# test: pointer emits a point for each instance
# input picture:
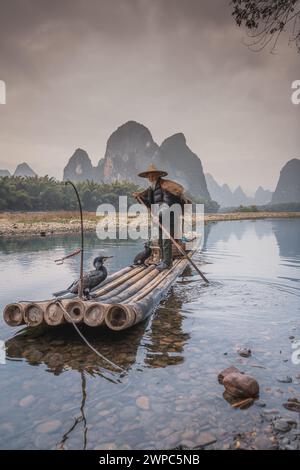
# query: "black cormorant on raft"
(143, 255)
(91, 279)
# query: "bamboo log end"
(33, 314)
(13, 314)
(119, 317)
(54, 314)
(94, 314)
(75, 310)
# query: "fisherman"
(165, 193)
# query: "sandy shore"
(29, 224)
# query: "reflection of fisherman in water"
(166, 337)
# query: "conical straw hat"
(152, 169)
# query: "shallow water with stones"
(56, 393)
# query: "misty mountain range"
(23, 169)
(131, 148)
(228, 198)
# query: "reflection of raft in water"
(126, 297)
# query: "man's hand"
(135, 194)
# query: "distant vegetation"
(209, 206)
(252, 208)
(283, 207)
(47, 194)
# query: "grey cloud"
(76, 69)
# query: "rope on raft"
(88, 343)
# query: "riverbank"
(29, 224)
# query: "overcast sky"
(75, 70)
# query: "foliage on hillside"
(48, 194)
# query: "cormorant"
(143, 255)
(90, 279)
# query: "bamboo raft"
(124, 299)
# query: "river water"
(57, 394)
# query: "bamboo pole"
(80, 286)
(112, 277)
(109, 287)
(139, 289)
(132, 290)
(156, 282)
(125, 315)
(135, 282)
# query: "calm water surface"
(56, 393)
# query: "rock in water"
(205, 439)
(282, 425)
(49, 426)
(143, 402)
(244, 352)
(237, 384)
(288, 186)
(225, 372)
(27, 401)
(292, 405)
(241, 385)
(285, 380)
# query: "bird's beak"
(107, 257)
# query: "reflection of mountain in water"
(262, 229)
(25, 252)
(67, 241)
(287, 233)
(222, 231)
